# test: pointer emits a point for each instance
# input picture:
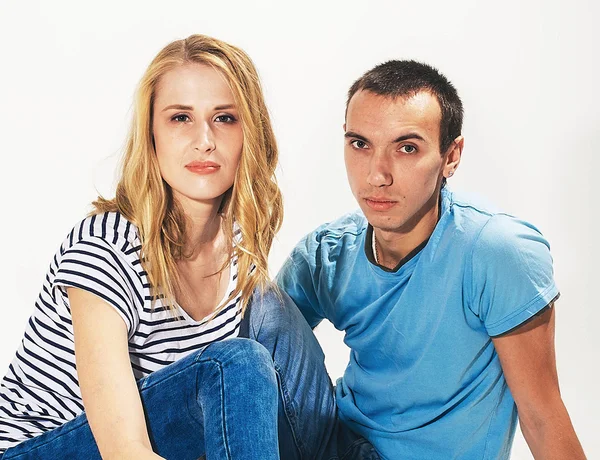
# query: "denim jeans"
(265, 397)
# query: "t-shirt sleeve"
(96, 266)
(511, 272)
(297, 278)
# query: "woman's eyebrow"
(225, 107)
(190, 108)
(179, 107)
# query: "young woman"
(156, 334)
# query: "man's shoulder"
(473, 212)
(350, 224)
(342, 232)
(488, 227)
(473, 205)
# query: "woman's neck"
(203, 232)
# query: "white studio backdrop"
(527, 73)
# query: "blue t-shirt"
(424, 380)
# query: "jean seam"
(350, 447)
(219, 366)
(226, 443)
(354, 444)
(289, 413)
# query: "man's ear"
(453, 156)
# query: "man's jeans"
(264, 397)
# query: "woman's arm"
(110, 396)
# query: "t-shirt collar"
(411, 254)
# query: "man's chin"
(383, 222)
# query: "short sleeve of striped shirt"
(96, 266)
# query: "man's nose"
(380, 171)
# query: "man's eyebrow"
(349, 134)
(190, 108)
(404, 137)
(408, 136)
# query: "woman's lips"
(202, 167)
(379, 204)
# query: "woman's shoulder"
(107, 228)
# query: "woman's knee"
(241, 355)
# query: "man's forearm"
(552, 436)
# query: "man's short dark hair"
(407, 78)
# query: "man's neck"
(393, 246)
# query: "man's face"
(393, 159)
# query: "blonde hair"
(254, 202)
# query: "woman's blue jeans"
(264, 397)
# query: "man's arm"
(529, 365)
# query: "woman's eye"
(181, 118)
(408, 149)
(225, 119)
(358, 144)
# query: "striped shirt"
(100, 255)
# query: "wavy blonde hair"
(254, 202)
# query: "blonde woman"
(156, 333)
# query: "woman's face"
(197, 134)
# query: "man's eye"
(358, 144)
(408, 149)
(181, 118)
(225, 119)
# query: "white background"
(527, 72)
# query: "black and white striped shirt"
(101, 255)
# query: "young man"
(446, 305)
